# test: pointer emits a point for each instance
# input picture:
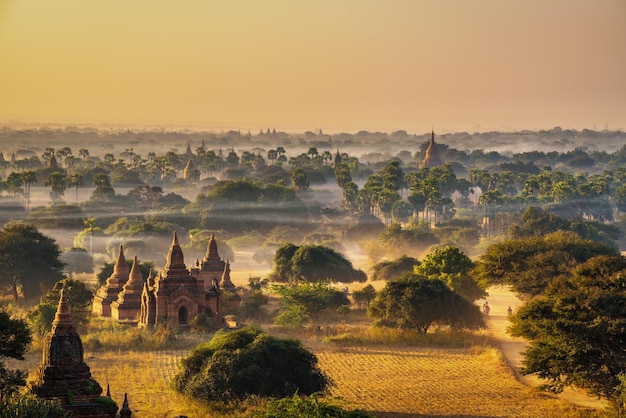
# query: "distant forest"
(260, 190)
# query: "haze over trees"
(547, 220)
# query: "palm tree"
(28, 177)
(76, 180)
(58, 183)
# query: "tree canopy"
(245, 362)
(576, 330)
(418, 303)
(14, 339)
(530, 264)
(29, 261)
(394, 269)
(453, 267)
(306, 302)
(313, 263)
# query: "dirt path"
(500, 298)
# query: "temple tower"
(176, 290)
(108, 293)
(63, 374)
(212, 266)
(128, 304)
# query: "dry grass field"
(388, 381)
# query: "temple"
(431, 158)
(175, 295)
(63, 374)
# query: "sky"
(335, 65)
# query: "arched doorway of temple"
(183, 316)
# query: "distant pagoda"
(432, 158)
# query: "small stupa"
(63, 374)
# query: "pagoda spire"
(226, 283)
(63, 322)
(121, 266)
(212, 249)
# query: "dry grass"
(389, 381)
(405, 382)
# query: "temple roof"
(431, 158)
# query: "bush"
(309, 407)
(237, 364)
(31, 406)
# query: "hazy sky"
(338, 65)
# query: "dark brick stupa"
(63, 374)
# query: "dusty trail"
(500, 298)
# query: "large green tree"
(307, 302)
(246, 362)
(452, 266)
(313, 263)
(29, 261)
(14, 339)
(576, 330)
(419, 303)
(530, 264)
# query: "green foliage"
(29, 260)
(240, 206)
(40, 318)
(538, 222)
(78, 296)
(31, 406)
(419, 303)
(394, 269)
(313, 263)
(530, 264)
(307, 407)
(306, 302)
(57, 216)
(245, 362)
(14, 339)
(299, 179)
(364, 297)
(577, 328)
(453, 267)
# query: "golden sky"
(295, 65)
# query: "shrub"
(309, 407)
(237, 364)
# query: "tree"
(304, 303)
(29, 178)
(530, 264)
(313, 263)
(453, 267)
(364, 297)
(29, 261)
(76, 180)
(14, 340)
(246, 362)
(57, 182)
(394, 269)
(299, 179)
(576, 330)
(418, 303)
